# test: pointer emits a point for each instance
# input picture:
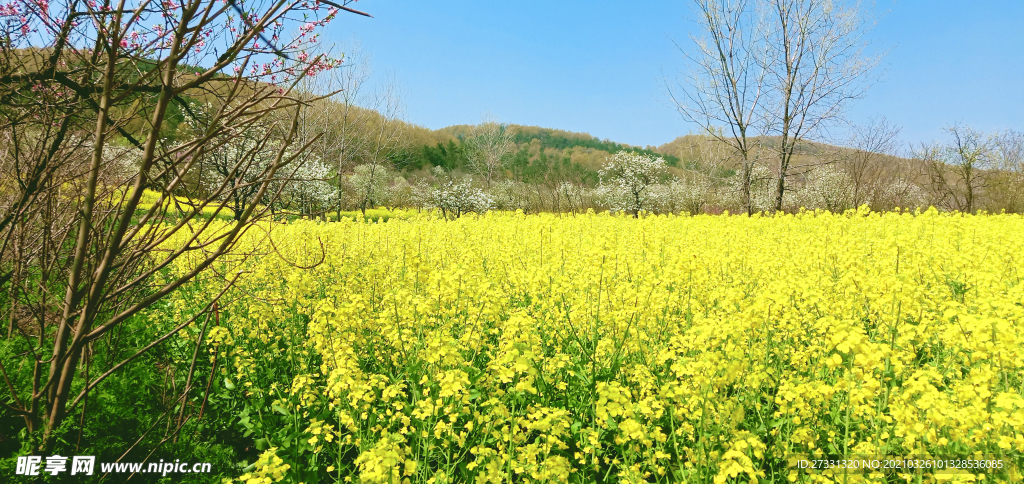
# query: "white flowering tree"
(627, 178)
(400, 193)
(830, 188)
(237, 157)
(308, 188)
(512, 195)
(456, 197)
(903, 193)
(369, 184)
(761, 191)
(690, 195)
(240, 157)
(570, 196)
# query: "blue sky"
(600, 67)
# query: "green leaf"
(281, 410)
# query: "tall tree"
(383, 139)
(487, 147)
(727, 81)
(869, 145)
(817, 64)
(1009, 153)
(356, 124)
(340, 120)
(958, 170)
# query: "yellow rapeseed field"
(597, 348)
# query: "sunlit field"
(598, 348)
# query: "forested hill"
(539, 155)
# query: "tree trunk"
(745, 189)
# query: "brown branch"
(213, 369)
(347, 9)
(159, 340)
(192, 368)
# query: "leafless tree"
(80, 250)
(958, 171)
(356, 124)
(383, 137)
(1008, 149)
(727, 81)
(862, 159)
(327, 117)
(487, 145)
(817, 64)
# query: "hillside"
(547, 155)
(543, 161)
(540, 155)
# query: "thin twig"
(192, 369)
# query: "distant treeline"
(541, 156)
(550, 139)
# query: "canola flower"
(596, 348)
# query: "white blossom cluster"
(380, 186)
(308, 187)
(121, 162)
(368, 183)
(626, 181)
(238, 162)
(456, 197)
(571, 197)
(400, 193)
(762, 191)
(904, 194)
(828, 188)
(690, 196)
(512, 195)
